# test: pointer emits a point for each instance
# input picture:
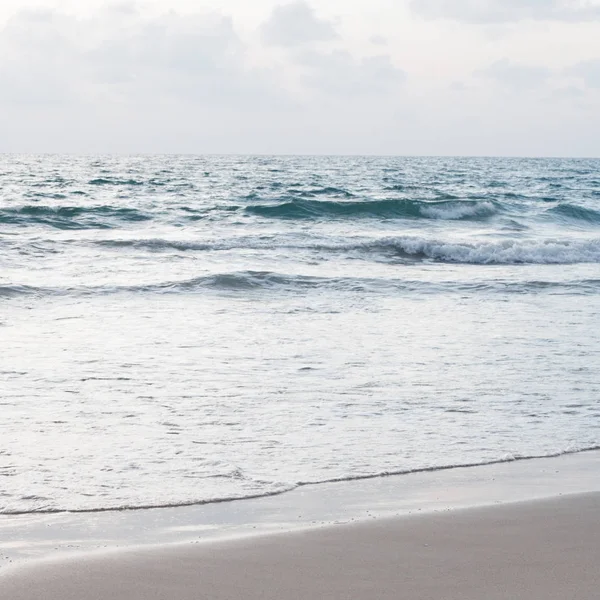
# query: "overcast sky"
(458, 77)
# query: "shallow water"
(181, 329)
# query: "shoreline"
(294, 487)
(530, 550)
(36, 537)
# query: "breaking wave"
(376, 209)
(502, 252)
(414, 248)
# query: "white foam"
(504, 251)
(455, 212)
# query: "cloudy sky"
(458, 77)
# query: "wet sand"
(544, 549)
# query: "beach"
(545, 549)
(527, 529)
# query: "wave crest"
(382, 209)
(411, 248)
(503, 252)
(572, 212)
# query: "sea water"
(184, 329)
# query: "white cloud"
(338, 72)
(50, 57)
(296, 24)
(353, 77)
(568, 93)
(36, 65)
(507, 11)
(520, 77)
(589, 71)
(378, 40)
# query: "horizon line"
(303, 155)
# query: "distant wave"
(327, 191)
(304, 206)
(158, 245)
(70, 217)
(111, 181)
(107, 217)
(382, 209)
(300, 190)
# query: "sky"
(393, 77)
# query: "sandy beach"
(545, 549)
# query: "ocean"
(185, 329)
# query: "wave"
(47, 195)
(327, 191)
(503, 252)
(159, 245)
(515, 251)
(70, 217)
(242, 281)
(246, 281)
(257, 280)
(454, 211)
(381, 209)
(305, 206)
(573, 212)
(286, 488)
(14, 291)
(106, 181)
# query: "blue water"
(180, 329)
